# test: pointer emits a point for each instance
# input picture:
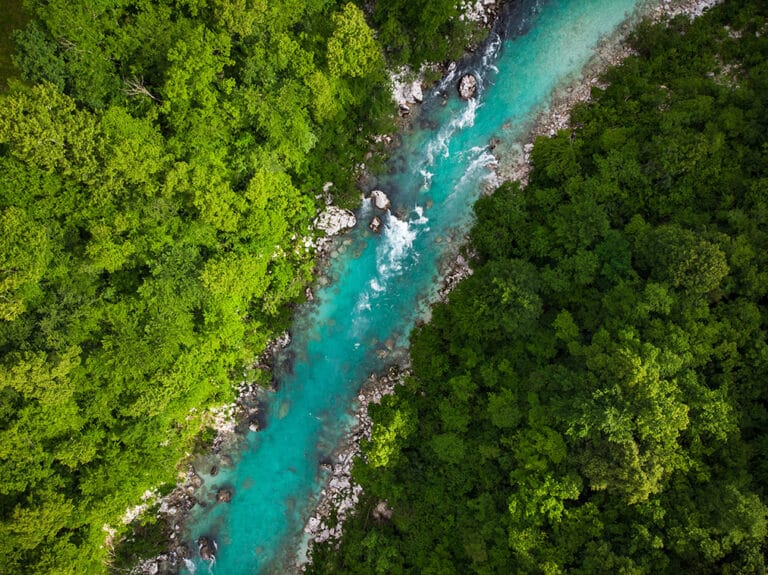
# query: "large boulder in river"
(467, 86)
(375, 225)
(380, 200)
(224, 495)
(334, 220)
(207, 548)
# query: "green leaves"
(352, 49)
(157, 178)
(24, 256)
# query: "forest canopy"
(593, 398)
(159, 168)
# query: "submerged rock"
(375, 224)
(257, 420)
(194, 480)
(224, 495)
(207, 548)
(380, 200)
(467, 86)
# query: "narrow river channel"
(381, 284)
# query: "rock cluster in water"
(380, 200)
(207, 548)
(467, 86)
(375, 224)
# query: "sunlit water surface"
(382, 283)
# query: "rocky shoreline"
(341, 494)
(515, 159)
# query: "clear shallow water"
(382, 283)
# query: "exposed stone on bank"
(333, 220)
(407, 87)
(480, 11)
(458, 270)
(340, 495)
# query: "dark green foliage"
(417, 31)
(593, 398)
(13, 18)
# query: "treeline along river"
(382, 283)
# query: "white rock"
(467, 86)
(334, 220)
(380, 200)
(404, 90)
(416, 92)
(312, 524)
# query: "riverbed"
(381, 284)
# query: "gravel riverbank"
(514, 158)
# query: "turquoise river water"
(383, 283)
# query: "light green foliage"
(157, 174)
(24, 256)
(592, 399)
(352, 50)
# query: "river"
(381, 284)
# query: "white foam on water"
(364, 301)
(439, 146)
(421, 220)
(443, 85)
(467, 118)
(427, 175)
(396, 245)
(483, 160)
(190, 565)
(473, 151)
(366, 208)
(376, 286)
(491, 53)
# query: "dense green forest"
(159, 168)
(594, 399)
